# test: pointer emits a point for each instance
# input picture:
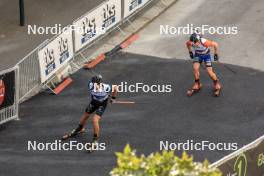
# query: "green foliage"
(160, 164)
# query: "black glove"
(112, 99)
(191, 54)
(216, 58)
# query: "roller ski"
(73, 133)
(195, 88)
(217, 88)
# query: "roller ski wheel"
(193, 91)
(72, 134)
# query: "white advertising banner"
(130, 6)
(97, 22)
(55, 54)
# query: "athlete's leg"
(213, 76)
(196, 71)
(210, 71)
(96, 119)
(84, 118)
(90, 109)
(96, 126)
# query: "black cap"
(195, 38)
(97, 79)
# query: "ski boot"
(217, 88)
(95, 142)
(195, 88)
(73, 133)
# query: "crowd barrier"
(247, 161)
(29, 74)
(8, 95)
(129, 8)
(53, 56)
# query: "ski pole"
(123, 102)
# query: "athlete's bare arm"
(212, 44)
(189, 45)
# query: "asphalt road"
(236, 116)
